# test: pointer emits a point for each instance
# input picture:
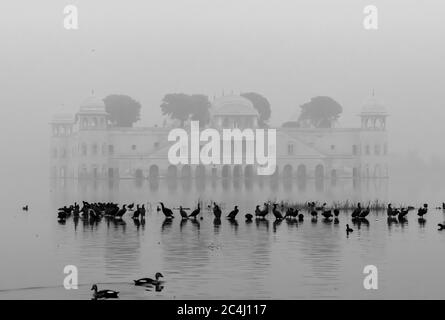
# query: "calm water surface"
(202, 260)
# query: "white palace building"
(84, 145)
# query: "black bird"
(357, 211)
(130, 206)
(137, 212)
(348, 230)
(278, 215)
(441, 226)
(216, 211)
(262, 213)
(149, 281)
(314, 214)
(166, 211)
(195, 212)
(364, 213)
(143, 211)
(389, 210)
(183, 213)
(336, 212)
(233, 213)
(104, 294)
(121, 212)
(321, 208)
(422, 211)
(327, 214)
(248, 217)
(300, 217)
(25, 208)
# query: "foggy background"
(288, 51)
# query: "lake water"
(201, 260)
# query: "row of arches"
(228, 171)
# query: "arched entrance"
(200, 172)
(139, 174)
(172, 172)
(287, 171)
(319, 172)
(248, 171)
(225, 173)
(237, 171)
(301, 172)
(186, 172)
(153, 172)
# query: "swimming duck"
(104, 294)
(149, 281)
(441, 226)
(25, 208)
(336, 212)
(130, 206)
(326, 214)
(248, 217)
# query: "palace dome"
(63, 115)
(372, 105)
(92, 104)
(233, 105)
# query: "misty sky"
(288, 51)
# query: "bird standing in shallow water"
(233, 213)
(183, 213)
(348, 230)
(166, 211)
(25, 208)
(195, 212)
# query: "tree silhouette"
(320, 112)
(182, 107)
(261, 104)
(123, 110)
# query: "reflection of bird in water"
(104, 294)
(158, 288)
(195, 212)
(166, 211)
(149, 281)
(166, 224)
(233, 213)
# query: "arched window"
(94, 149)
(354, 149)
(84, 149)
(377, 149)
(290, 149)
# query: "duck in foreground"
(104, 294)
(149, 281)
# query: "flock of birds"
(96, 211)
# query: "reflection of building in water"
(86, 146)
